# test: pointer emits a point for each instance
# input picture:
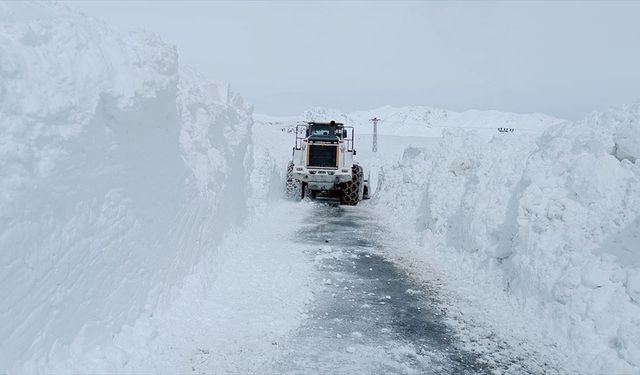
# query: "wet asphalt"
(368, 316)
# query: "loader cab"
(325, 132)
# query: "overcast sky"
(560, 58)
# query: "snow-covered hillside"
(118, 173)
(421, 121)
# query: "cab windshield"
(321, 130)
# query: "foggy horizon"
(563, 58)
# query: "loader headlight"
(345, 171)
(299, 169)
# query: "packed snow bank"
(227, 317)
(552, 220)
(118, 174)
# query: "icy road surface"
(369, 316)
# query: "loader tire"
(350, 191)
(293, 189)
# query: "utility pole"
(375, 121)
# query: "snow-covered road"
(368, 315)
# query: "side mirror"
(354, 152)
(344, 133)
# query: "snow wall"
(553, 220)
(118, 171)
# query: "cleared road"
(368, 315)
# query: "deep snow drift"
(553, 220)
(119, 172)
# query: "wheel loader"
(323, 164)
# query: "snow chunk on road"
(633, 285)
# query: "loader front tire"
(293, 189)
(350, 190)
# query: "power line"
(375, 121)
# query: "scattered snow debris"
(327, 281)
(356, 334)
(387, 297)
(339, 336)
(412, 291)
(633, 286)
(350, 349)
(460, 167)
